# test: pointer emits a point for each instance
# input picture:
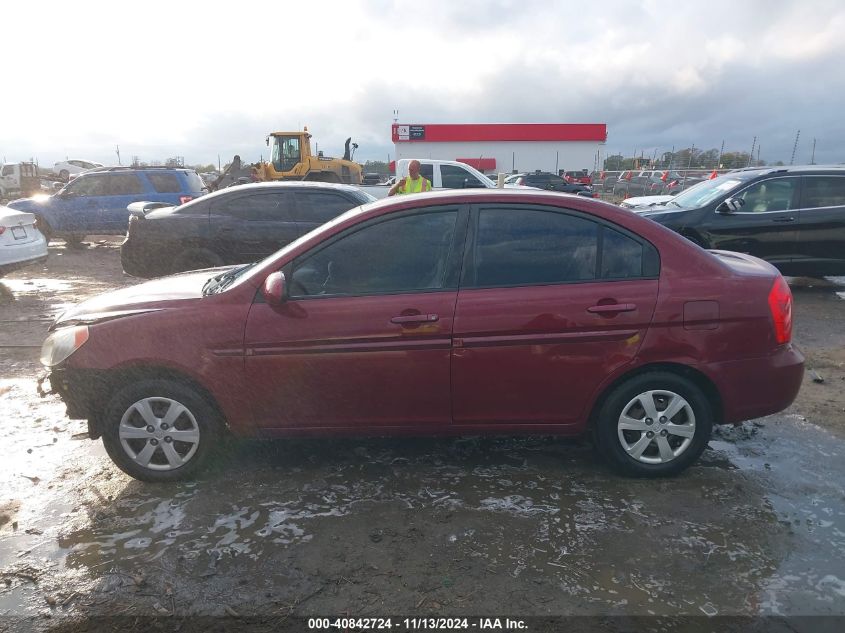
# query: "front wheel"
(159, 430)
(654, 425)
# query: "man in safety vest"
(413, 183)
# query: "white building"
(505, 147)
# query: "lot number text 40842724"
(416, 624)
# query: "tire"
(64, 175)
(150, 402)
(74, 240)
(196, 259)
(45, 228)
(685, 434)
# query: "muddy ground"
(528, 526)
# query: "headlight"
(62, 343)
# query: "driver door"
(363, 341)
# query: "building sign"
(417, 132)
(403, 132)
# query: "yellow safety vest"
(415, 186)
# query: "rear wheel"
(159, 430)
(653, 425)
(196, 259)
(74, 240)
(45, 228)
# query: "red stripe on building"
(499, 132)
(481, 164)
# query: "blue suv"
(94, 203)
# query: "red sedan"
(448, 313)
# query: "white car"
(21, 243)
(67, 168)
(644, 202)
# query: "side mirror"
(273, 290)
(731, 205)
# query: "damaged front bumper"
(82, 391)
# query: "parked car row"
(630, 183)
(550, 182)
(486, 311)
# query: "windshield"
(705, 192)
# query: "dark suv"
(793, 217)
(238, 224)
(550, 182)
(94, 203)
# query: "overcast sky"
(193, 79)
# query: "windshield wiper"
(219, 282)
(675, 203)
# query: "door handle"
(786, 219)
(612, 307)
(415, 318)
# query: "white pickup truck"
(443, 174)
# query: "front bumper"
(84, 392)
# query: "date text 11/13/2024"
(416, 624)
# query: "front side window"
(125, 185)
(824, 191)
(8, 170)
(766, 196)
(518, 247)
(399, 255)
(89, 186)
(458, 178)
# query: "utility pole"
(557, 157)
(813, 157)
(721, 151)
(794, 148)
(751, 155)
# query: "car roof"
(791, 169)
(308, 184)
(99, 170)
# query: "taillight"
(780, 305)
(184, 199)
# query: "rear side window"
(262, 207)
(824, 191)
(125, 185)
(321, 206)
(623, 257)
(522, 247)
(517, 247)
(165, 183)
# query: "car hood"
(157, 294)
(645, 202)
(34, 203)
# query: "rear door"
(821, 228)
(315, 207)
(551, 301)
(80, 208)
(249, 226)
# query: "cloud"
(660, 74)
